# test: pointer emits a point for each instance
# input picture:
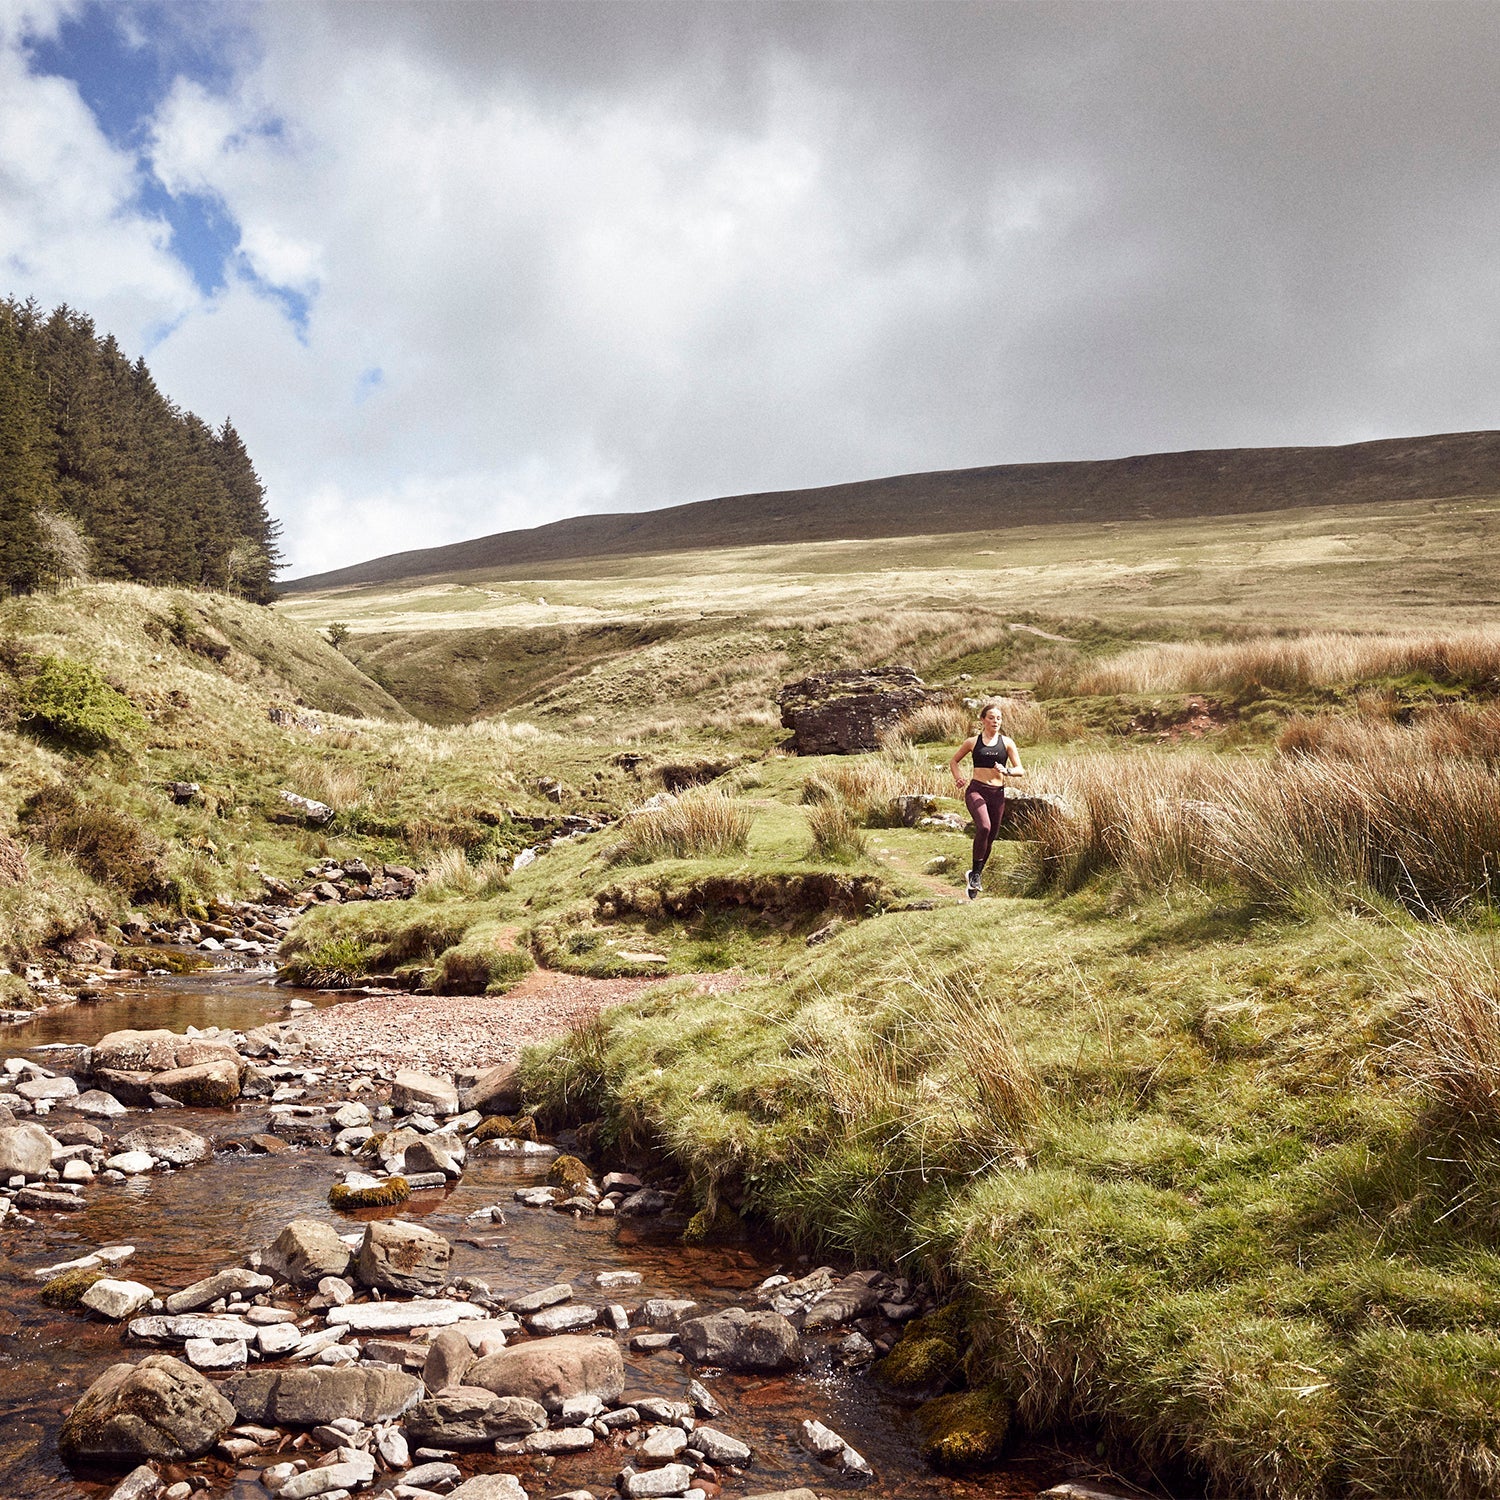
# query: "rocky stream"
(484, 1315)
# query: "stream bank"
(192, 1222)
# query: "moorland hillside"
(1160, 486)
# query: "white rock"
(663, 1443)
(277, 1338)
(392, 1447)
(565, 1319)
(116, 1299)
(650, 1484)
(402, 1317)
(718, 1447)
(130, 1162)
(207, 1354)
(77, 1171)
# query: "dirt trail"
(444, 1032)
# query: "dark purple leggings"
(986, 804)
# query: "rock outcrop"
(846, 713)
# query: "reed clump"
(450, 872)
(699, 824)
(869, 785)
(835, 834)
(1453, 1051)
(1394, 820)
(1464, 658)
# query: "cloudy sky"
(454, 268)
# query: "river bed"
(189, 1223)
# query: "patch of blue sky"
(368, 383)
(124, 56)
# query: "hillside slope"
(1229, 481)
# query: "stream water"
(189, 1223)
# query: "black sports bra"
(988, 757)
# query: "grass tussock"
(1463, 658)
(697, 825)
(835, 834)
(451, 872)
(868, 785)
(1454, 1049)
(1422, 830)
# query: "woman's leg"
(984, 833)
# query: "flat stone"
(116, 1299)
(178, 1328)
(402, 1317)
(208, 1354)
(665, 1312)
(549, 1296)
(489, 1487)
(354, 1473)
(565, 1319)
(607, 1280)
(106, 1255)
(650, 1484)
(645, 1201)
(559, 1440)
(649, 1343)
(718, 1447)
(48, 1088)
(232, 1282)
(665, 1410)
(704, 1400)
(471, 1417)
(277, 1338)
(58, 1202)
(428, 1476)
(306, 1396)
(98, 1105)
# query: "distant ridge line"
(1155, 486)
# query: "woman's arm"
(958, 755)
(1013, 766)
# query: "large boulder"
(397, 1257)
(553, 1369)
(423, 1094)
(846, 713)
(205, 1085)
(305, 1252)
(158, 1051)
(496, 1091)
(159, 1408)
(468, 1416)
(25, 1151)
(168, 1143)
(739, 1340)
(323, 1393)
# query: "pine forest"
(101, 475)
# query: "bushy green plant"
(698, 824)
(835, 834)
(68, 700)
(111, 846)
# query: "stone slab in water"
(308, 1397)
(402, 1317)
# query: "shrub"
(71, 702)
(452, 873)
(868, 785)
(702, 824)
(835, 834)
(110, 846)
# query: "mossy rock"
(173, 960)
(494, 1128)
(570, 1173)
(965, 1430)
(930, 1352)
(66, 1291)
(719, 1226)
(382, 1195)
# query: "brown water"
(189, 1223)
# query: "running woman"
(995, 758)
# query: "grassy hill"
(1214, 482)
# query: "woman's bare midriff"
(989, 776)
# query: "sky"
(458, 268)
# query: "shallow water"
(189, 1223)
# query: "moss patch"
(382, 1195)
(66, 1291)
(964, 1430)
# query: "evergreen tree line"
(89, 445)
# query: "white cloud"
(611, 256)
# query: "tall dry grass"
(1469, 658)
(450, 873)
(868, 785)
(1453, 1052)
(1393, 821)
(950, 721)
(835, 833)
(699, 824)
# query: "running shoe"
(975, 880)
